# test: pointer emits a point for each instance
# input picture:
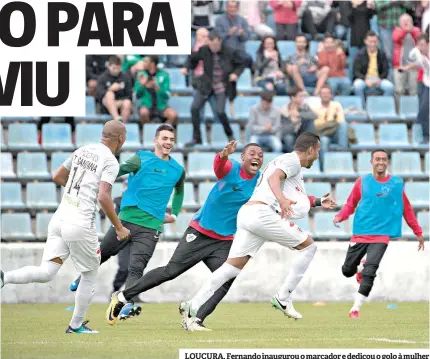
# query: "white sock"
(359, 300)
(84, 296)
(121, 298)
(298, 269)
(219, 277)
(32, 274)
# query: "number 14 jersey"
(89, 165)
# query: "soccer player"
(278, 199)
(153, 177)
(379, 202)
(210, 234)
(87, 175)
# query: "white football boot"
(286, 307)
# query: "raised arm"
(132, 165)
(351, 204)
(222, 165)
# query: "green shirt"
(141, 218)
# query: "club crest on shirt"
(190, 237)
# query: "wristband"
(317, 202)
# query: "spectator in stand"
(285, 14)
(425, 19)
(202, 13)
(343, 8)
(115, 91)
(371, 69)
(253, 12)
(303, 68)
(405, 73)
(330, 123)
(268, 67)
(388, 13)
(221, 65)
(296, 117)
(95, 66)
(318, 17)
(421, 14)
(264, 123)
(333, 58)
(132, 64)
(153, 91)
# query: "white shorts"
(258, 223)
(82, 244)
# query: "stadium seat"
(57, 159)
(407, 232)
(11, 196)
(22, 136)
(363, 163)
(182, 105)
(313, 48)
(343, 190)
(339, 164)
(281, 101)
(133, 141)
(417, 137)
(408, 107)
(184, 134)
(317, 189)
(352, 107)
(42, 195)
(189, 199)
(7, 171)
(91, 112)
(177, 81)
(418, 194)
(178, 228)
(32, 166)
(423, 220)
(268, 157)
(394, 136)
(286, 48)
(406, 164)
(365, 133)
(251, 47)
(427, 163)
(245, 84)
(57, 136)
(204, 190)
(313, 172)
(325, 229)
(381, 108)
(16, 227)
(178, 157)
(218, 138)
(200, 166)
(149, 135)
(42, 222)
(88, 133)
(2, 143)
(242, 104)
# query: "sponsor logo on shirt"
(235, 189)
(159, 171)
(190, 237)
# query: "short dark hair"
(267, 96)
(378, 150)
(305, 141)
(328, 35)
(164, 127)
(213, 35)
(423, 37)
(154, 59)
(301, 35)
(371, 33)
(114, 60)
(326, 86)
(293, 91)
(250, 145)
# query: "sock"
(84, 296)
(121, 297)
(218, 278)
(359, 300)
(298, 269)
(32, 274)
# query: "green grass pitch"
(37, 330)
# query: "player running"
(278, 198)
(210, 234)
(153, 177)
(87, 175)
(381, 202)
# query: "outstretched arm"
(351, 204)
(222, 165)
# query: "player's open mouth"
(255, 164)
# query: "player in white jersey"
(278, 198)
(88, 176)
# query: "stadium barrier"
(403, 276)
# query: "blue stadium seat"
(394, 136)
(423, 220)
(58, 158)
(406, 164)
(317, 189)
(286, 48)
(189, 198)
(57, 136)
(178, 157)
(42, 195)
(242, 104)
(363, 163)
(87, 134)
(281, 101)
(314, 171)
(251, 47)
(269, 156)
(7, 119)
(204, 190)
(184, 134)
(7, 171)
(2, 143)
(427, 163)
(177, 81)
(352, 107)
(245, 84)
(11, 196)
(200, 165)
(16, 227)
(343, 190)
(382, 108)
(303, 223)
(91, 111)
(22, 136)
(182, 105)
(313, 48)
(417, 137)
(325, 229)
(133, 137)
(418, 194)
(218, 138)
(42, 222)
(339, 164)
(365, 133)
(407, 232)
(178, 228)
(149, 135)
(32, 166)
(408, 107)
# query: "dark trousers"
(423, 112)
(309, 26)
(356, 252)
(142, 245)
(286, 31)
(122, 272)
(43, 120)
(198, 103)
(193, 248)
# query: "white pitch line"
(387, 340)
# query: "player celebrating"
(381, 202)
(279, 197)
(210, 234)
(153, 176)
(87, 176)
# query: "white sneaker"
(186, 312)
(196, 325)
(286, 307)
